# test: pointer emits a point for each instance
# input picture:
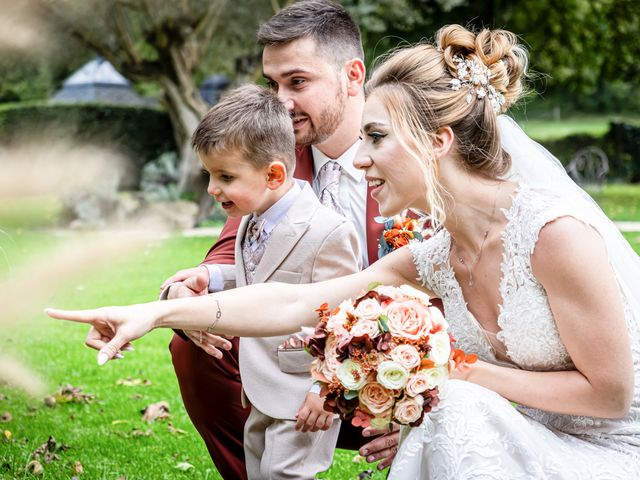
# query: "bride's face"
(396, 179)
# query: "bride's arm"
(270, 309)
(258, 310)
(571, 263)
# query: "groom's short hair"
(327, 23)
(252, 121)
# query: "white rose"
(369, 309)
(392, 375)
(436, 377)
(336, 324)
(365, 327)
(409, 291)
(351, 375)
(440, 344)
(406, 355)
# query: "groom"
(313, 59)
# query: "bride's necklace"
(476, 259)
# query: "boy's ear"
(443, 141)
(276, 174)
(355, 76)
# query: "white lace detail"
(475, 433)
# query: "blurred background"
(100, 191)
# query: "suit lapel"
(287, 233)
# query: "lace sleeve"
(428, 255)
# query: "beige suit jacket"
(310, 244)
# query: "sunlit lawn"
(547, 129)
(106, 436)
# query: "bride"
(533, 277)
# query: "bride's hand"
(112, 328)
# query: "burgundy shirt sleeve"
(223, 250)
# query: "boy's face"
(310, 85)
(239, 186)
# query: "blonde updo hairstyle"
(415, 85)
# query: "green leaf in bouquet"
(350, 394)
(373, 285)
(384, 323)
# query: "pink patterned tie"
(253, 247)
(329, 184)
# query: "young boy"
(247, 145)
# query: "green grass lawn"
(621, 202)
(107, 436)
(545, 129)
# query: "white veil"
(534, 165)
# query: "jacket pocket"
(294, 360)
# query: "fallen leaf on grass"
(176, 431)
(70, 394)
(2, 397)
(357, 458)
(6, 435)
(118, 422)
(77, 467)
(48, 451)
(134, 382)
(34, 467)
(6, 417)
(141, 433)
(156, 411)
(50, 401)
(184, 466)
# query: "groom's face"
(310, 85)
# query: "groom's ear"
(356, 73)
(443, 142)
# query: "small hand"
(209, 342)
(312, 416)
(195, 279)
(383, 448)
(112, 328)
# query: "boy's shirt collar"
(345, 161)
(275, 212)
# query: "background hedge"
(139, 133)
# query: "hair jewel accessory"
(476, 78)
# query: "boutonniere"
(398, 232)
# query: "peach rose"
(389, 291)
(411, 292)
(376, 398)
(408, 410)
(437, 320)
(365, 327)
(417, 383)
(331, 363)
(336, 323)
(440, 344)
(369, 309)
(409, 319)
(392, 375)
(406, 355)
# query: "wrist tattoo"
(217, 319)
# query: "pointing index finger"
(80, 316)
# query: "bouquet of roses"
(383, 357)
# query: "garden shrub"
(139, 133)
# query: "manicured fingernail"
(371, 459)
(102, 358)
(119, 356)
(364, 452)
(128, 348)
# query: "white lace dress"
(474, 432)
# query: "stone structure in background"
(98, 82)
